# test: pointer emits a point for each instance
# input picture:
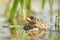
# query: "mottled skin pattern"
(35, 27)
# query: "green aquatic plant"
(57, 37)
(13, 10)
(50, 33)
(28, 5)
(11, 18)
(7, 9)
(22, 2)
(51, 8)
(23, 8)
(43, 4)
(58, 14)
(25, 4)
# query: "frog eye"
(31, 17)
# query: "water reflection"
(48, 35)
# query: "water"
(50, 34)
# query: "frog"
(34, 26)
(33, 22)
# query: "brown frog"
(35, 26)
(33, 22)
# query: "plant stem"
(13, 10)
(29, 7)
(43, 4)
(51, 8)
(58, 14)
(22, 2)
(7, 8)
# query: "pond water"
(51, 33)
